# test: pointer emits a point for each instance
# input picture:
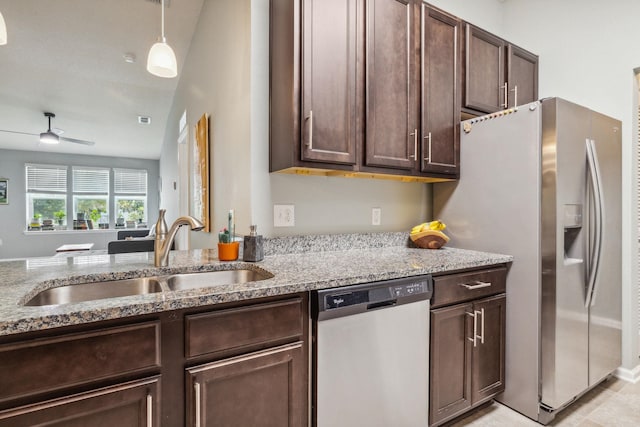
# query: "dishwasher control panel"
(370, 296)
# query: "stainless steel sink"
(177, 282)
(95, 291)
(143, 285)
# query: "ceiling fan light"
(49, 138)
(3, 31)
(161, 61)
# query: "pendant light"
(161, 61)
(3, 31)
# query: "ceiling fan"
(52, 136)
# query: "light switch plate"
(376, 216)
(284, 216)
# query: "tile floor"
(613, 403)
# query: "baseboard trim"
(629, 375)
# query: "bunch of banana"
(433, 225)
(429, 234)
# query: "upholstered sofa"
(131, 241)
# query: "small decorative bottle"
(252, 250)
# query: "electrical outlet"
(284, 216)
(376, 216)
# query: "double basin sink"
(144, 285)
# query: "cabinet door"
(488, 353)
(266, 388)
(485, 89)
(391, 84)
(330, 93)
(133, 404)
(450, 372)
(440, 92)
(522, 76)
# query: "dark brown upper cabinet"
(374, 88)
(522, 75)
(330, 81)
(497, 74)
(345, 90)
(441, 77)
(391, 85)
(316, 85)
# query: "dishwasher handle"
(382, 304)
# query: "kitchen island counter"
(292, 272)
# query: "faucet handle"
(161, 224)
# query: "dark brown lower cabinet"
(467, 356)
(237, 364)
(133, 404)
(467, 342)
(271, 380)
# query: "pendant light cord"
(163, 39)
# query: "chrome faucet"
(164, 239)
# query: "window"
(99, 194)
(46, 192)
(91, 193)
(130, 194)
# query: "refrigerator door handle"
(596, 186)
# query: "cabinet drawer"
(48, 364)
(455, 288)
(130, 404)
(243, 329)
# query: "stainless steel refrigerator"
(542, 182)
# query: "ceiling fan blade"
(77, 141)
(20, 133)
(57, 131)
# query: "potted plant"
(227, 249)
(94, 215)
(36, 221)
(59, 215)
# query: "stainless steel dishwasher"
(371, 354)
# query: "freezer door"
(564, 316)
(605, 305)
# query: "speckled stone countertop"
(297, 264)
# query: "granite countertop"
(297, 264)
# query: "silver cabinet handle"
(310, 119)
(515, 95)
(196, 389)
(477, 285)
(481, 325)
(415, 144)
(505, 93)
(475, 328)
(149, 410)
(428, 138)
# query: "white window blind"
(90, 180)
(46, 178)
(129, 181)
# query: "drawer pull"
(477, 285)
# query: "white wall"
(215, 80)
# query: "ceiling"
(67, 57)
